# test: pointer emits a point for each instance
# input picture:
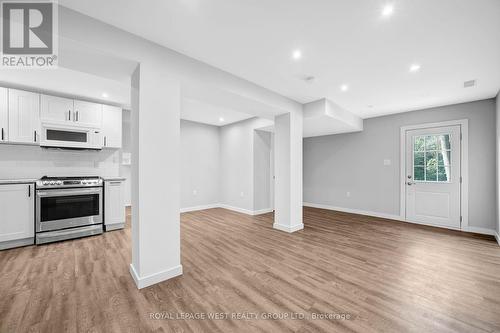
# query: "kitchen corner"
(59, 161)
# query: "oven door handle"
(59, 193)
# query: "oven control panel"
(61, 183)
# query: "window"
(432, 158)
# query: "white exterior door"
(433, 176)
(24, 116)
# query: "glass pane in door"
(432, 158)
(67, 207)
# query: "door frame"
(464, 161)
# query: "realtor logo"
(29, 36)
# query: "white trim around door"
(464, 160)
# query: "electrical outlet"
(387, 162)
(241, 194)
(348, 194)
(195, 192)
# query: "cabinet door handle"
(69, 114)
(104, 141)
(2, 133)
(29, 191)
(35, 135)
(77, 116)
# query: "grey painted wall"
(237, 165)
(200, 164)
(262, 170)
(354, 162)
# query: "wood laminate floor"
(366, 274)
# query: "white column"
(288, 171)
(155, 176)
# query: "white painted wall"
(288, 170)
(200, 164)
(497, 116)
(354, 163)
(125, 170)
(155, 176)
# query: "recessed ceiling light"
(221, 119)
(388, 10)
(105, 95)
(344, 87)
(414, 68)
(297, 54)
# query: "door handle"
(29, 191)
(410, 183)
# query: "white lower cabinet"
(114, 205)
(17, 215)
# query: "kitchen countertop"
(114, 178)
(18, 181)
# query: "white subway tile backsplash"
(18, 161)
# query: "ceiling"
(202, 112)
(342, 42)
(55, 82)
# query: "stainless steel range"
(68, 207)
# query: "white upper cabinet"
(24, 117)
(56, 109)
(4, 115)
(111, 126)
(17, 206)
(87, 114)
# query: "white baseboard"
(477, 230)
(288, 229)
(237, 209)
(262, 211)
(355, 211)
(195, 208)
(149, 280)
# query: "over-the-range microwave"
(61, 136)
